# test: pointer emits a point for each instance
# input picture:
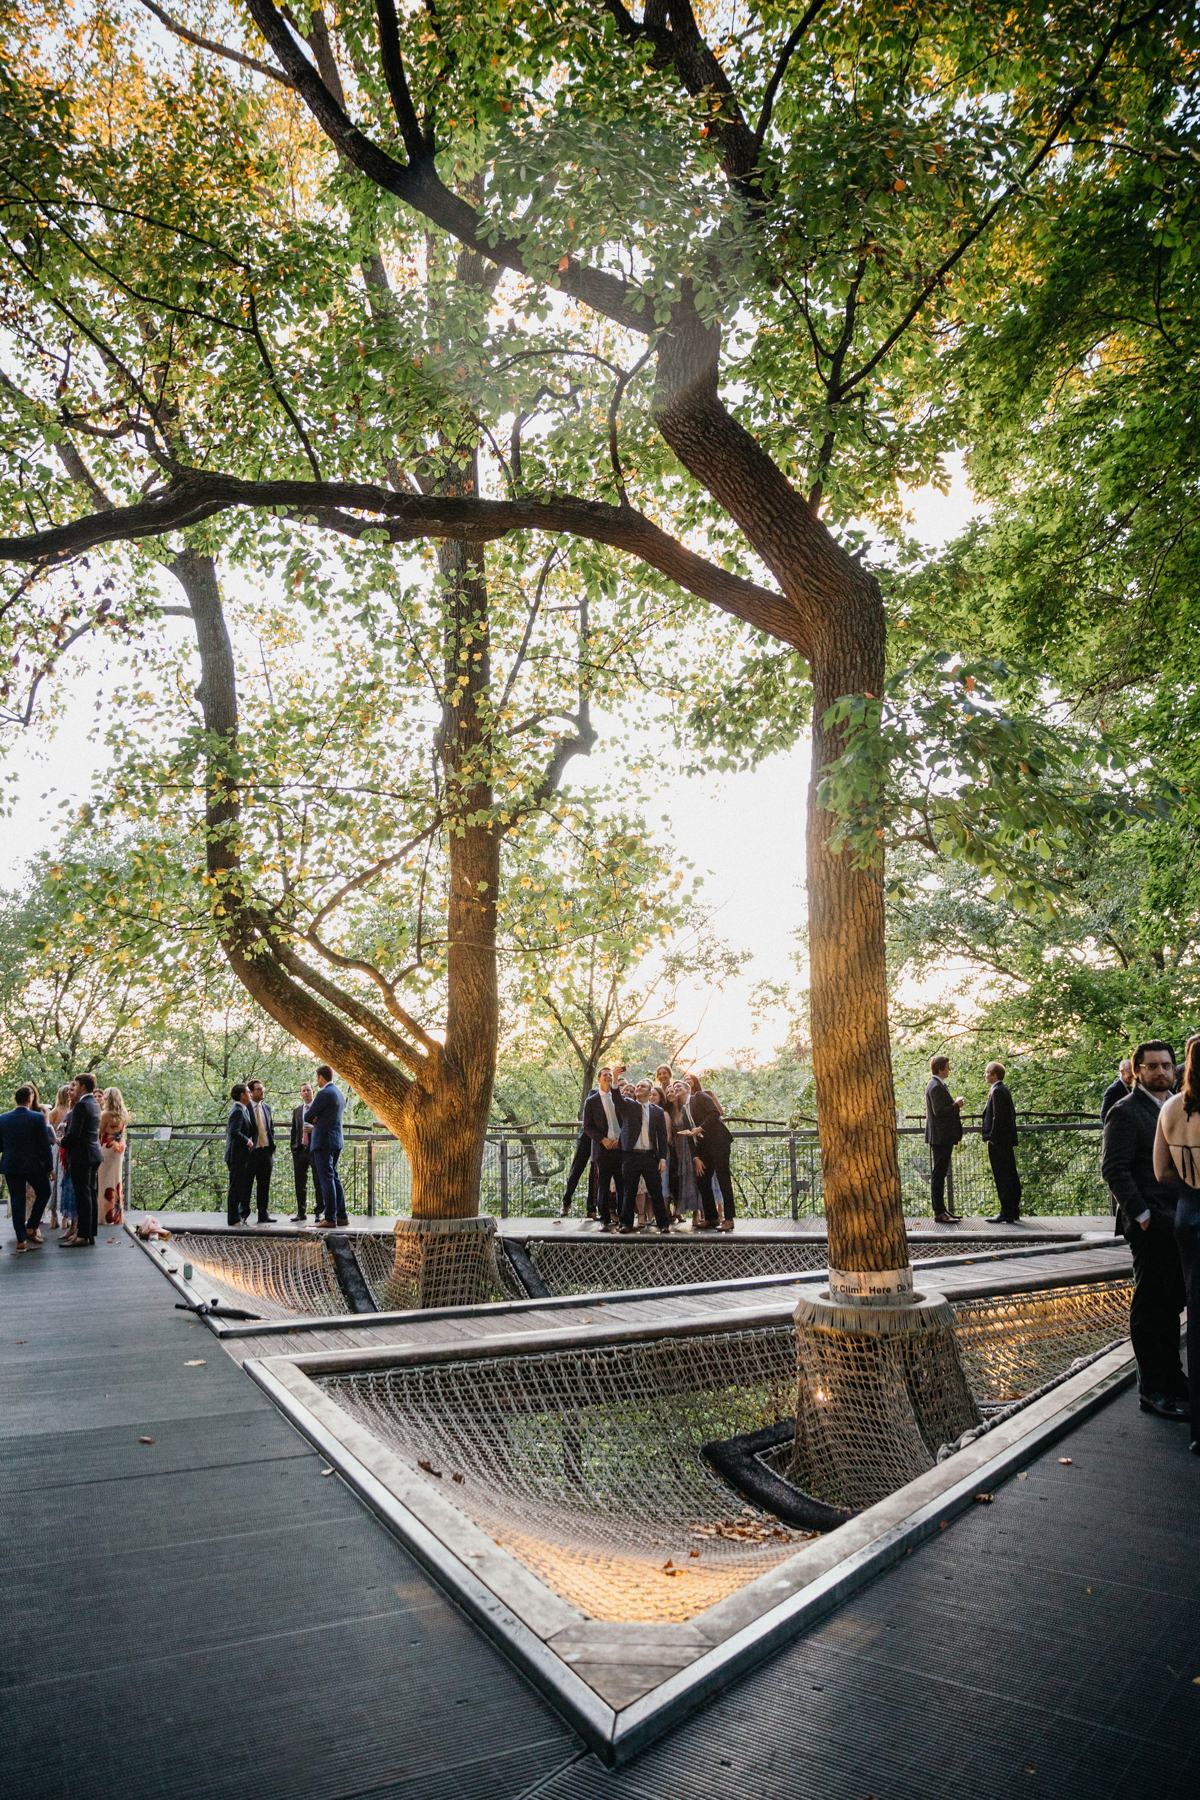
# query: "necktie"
(262, 1128)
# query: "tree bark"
(839, 624)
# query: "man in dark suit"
(239, 1144)
(1120, 1090)
(943, 1129)
(81, 1141)
(262, 1157)
(1147, 1218)
(602, 1127)
(999, 1133)
(298, 1143)
(644, 1151)
(325, 1146)
(26, 1160)
(710, 1150)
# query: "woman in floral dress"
(113, 1120)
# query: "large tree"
(786, 220)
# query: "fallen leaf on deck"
(1066, 1459)
(197, 1362)
(145, 1440)
(429, 1469)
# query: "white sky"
(743, 832)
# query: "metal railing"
(776, 1173)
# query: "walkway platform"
(208, 1615)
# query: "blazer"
(81, 1139)
(269, 1123)
(630, 1114)
(716, 1139)
(1128, 1166)
(297, 1137)
(238, 1127)
(324, 1114)
(26, 1143)
(595, 1119)
(1112, 1097)
(1000, 1117)
(943, 1120)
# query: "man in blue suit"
(324, 1114)
(26, 1159)
(644, 1152)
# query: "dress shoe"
(1165, 1407)
(566, 1209)
(299, 1219)
(267, 1219)
(945, 1218)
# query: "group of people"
(998, 1129)
(665, 1139)
(1151, 1162)
(315, 1142)
(68, 1160)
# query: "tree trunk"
(840, 626)
(448, 1122)
(439, 1111)
(852, 1057)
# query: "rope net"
(599, 1265)
(397, 1280)
(585, 1463)
(879, 1391)
(441, 1262)
(281, 1278)
(1013, 1343)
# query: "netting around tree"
(1011, 1344)
(278, 1278)
(880, 1390)
(442, 1262)
(599, 1265)
(376, 1254)
(585, 1464)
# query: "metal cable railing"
(776, 1173)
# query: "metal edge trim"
(646, 1719)
(583, 1709)
(150, 1248)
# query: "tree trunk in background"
(448, 1121)
(440, 1113)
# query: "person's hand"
(1145, 1224)
(662, 1164)
(961, 1101)
(698, 1165)
(611, 1143)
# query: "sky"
(744, 833)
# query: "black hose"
(737, 1461)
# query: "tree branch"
(404, 518)
(780, 70)
(203, 43)
(420, 186)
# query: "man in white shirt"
(603, 1127)
(262, 1157)
(644, 1152)
(1147, 1218)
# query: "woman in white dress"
(110, 1192)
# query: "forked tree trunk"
(438, 1111)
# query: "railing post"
(370, 1178)
(503, 1177)
(795, 1179)
(128, 1170)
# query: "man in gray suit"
(943, 1129)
